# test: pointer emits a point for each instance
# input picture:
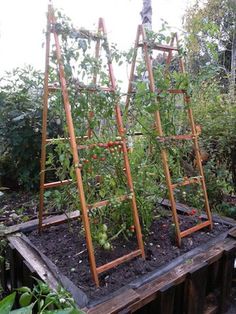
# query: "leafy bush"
(216, 113)
(39, 300)
(20, 124)
(21, 98)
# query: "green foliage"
(40, 299)
(20, 123)
(216, 113)
(7, 303)
(210, 29)
(209, 38)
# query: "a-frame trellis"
(85, 208)
(142, 42)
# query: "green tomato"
(102, 242)
(104, 228)
(107, 246)
(102, 236)
(25, 299)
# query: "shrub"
(20, 125)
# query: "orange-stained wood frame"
(85, 208)
(142, 42)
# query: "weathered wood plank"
(213, 276)
(3, 275)
(232, 232)
(11, 256)
(149, 291)
(183, 208)
(196, 290)
(166, 301)
(179, 299)
(226, 280)
(116, 304)
(33, 224)
(34, 260)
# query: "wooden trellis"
(142, 42)
(85, 208)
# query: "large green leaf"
(7, 303)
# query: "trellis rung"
(58, 139)
(188, 181)
(118, 261)
(56, 183)
(158, 46)
(195, 228)
(52, 88)
(176, 137)
(106, 202)
(174, 91)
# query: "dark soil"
(17, 207)
(67, 249)
(21, 206)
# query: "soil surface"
(21, 206)
(17, 207)
(65, 246)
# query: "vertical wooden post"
(227, 269)
(196, 290)
(44, 120)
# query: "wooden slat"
(183, 208)
(112, 143)
(179, 298)
(159, 47)
(116, 304)
(175, 137)
(187, 181)
(165, 301)
(56, 184)
(52, 88)
(213, 276)
(195, 228)
(173, 91)
(196, 290)
(226, 279)
(118, 261)
(106, 202)
(177, 91)
(33, 259)
(89, 35)
(32, 224)
(232, 233)
(178, 275)
(11, 256)
(62, 139)
(3, 272)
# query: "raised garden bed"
(66, 248)
(194, 275)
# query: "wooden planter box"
(196, 282)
